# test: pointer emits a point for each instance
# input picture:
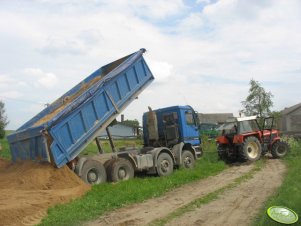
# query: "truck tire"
(188, 160)
(164, 164)
(121, 169)
(279, 149)
(93, 172)
(108, 167)
(251, 149)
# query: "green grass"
(92, 147)
(5, 153)
(105, 197)
(288, 194)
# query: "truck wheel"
(251, 149)
(280, 149)
(164, 164)
(121, 169)
(188, 160)
(93, 172)
(108, 166)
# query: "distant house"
(214, 118)
(121, 131)
(291, 121)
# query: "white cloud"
(47, 80)
(161, 70)
(201, 57)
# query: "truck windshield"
(189, 118)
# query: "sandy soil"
(236, 207)
(28, 189)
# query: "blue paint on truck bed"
(62, 130)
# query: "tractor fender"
(275, 140)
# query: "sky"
(202, 52)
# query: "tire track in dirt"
(239, 205)
(150, 210)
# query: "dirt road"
(235, 206)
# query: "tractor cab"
(246, 139)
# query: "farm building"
(291, 121)
(214, 118)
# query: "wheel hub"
(121, 173)
(164, 165)
(187, 161)
(252, 149)
(92, 176)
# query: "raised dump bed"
(62, 130)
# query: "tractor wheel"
(164, 164)
(188, 160)
(280, 149)
(222, 154)
(93, 172)
(251, 149)
(121, 169)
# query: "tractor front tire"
(251, 149)
(280, 149)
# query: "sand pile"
(28, 189)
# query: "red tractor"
(244, 139)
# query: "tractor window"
(227, 128)
(189, 118)
(248, 126)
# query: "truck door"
(170, 125)
(189, 127)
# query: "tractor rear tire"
(280, 149)
(93, 172)
(164, 164)
(188, 160)
(251, 149)
(222, 153)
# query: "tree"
(133, 123)
(258, 102)
(3, 120)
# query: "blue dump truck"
(60, 132)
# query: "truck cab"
(172, 126)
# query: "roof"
(241, 119)
(288, 110)
(214, 117)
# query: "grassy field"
(119, 143)
(289, 193)
(105, 197)
(5, 148)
